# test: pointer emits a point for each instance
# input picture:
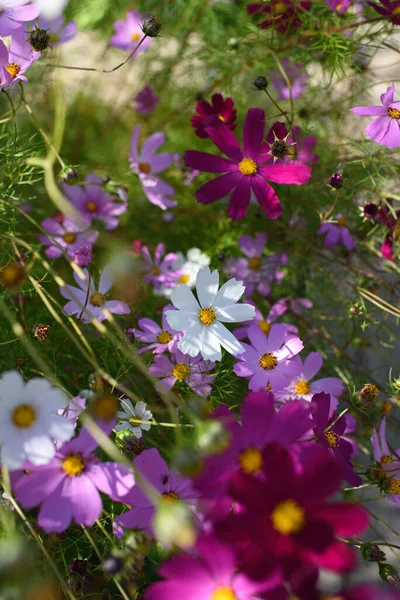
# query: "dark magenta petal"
(289, 174)
(240, 200)
(217, 188)
(209, 163)
(223, 138)
(266, 197)
(253, 132)
(354, 522)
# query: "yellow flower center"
(69, 237)
(13, 69)
(91, 206)
(155, 271)
(279, 8)
(341, 222)
(207, 316)
(73, 465)
(183, 279)
(221, 118)
(97, 299)
(302, 387)
(393, 487)
(255, 262)
(386, 459)
(180, 371)
(170, 497)
(144, 168)
(105, 407)
(288, 517)
(332, 438)
(387, 407)
(223, 593)
(136, 36)
(247, 166)
(24, 416)
(268, 361)
(164, 337)
(53, 38)
(251, 460)
(265, 326)
(394, 113)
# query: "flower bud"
(173, 524)
(152, 26)
(261, 83)
(69, 176)
(370, 210)
(368, 393)
(39, 39)
(336, 181)
(105, 407)
(388, 574)
(372, 553)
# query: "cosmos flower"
(187, 268)
(281, 14)
(129, 412)
(339, 6)
(14, 13)
(146, 100)
(338, 234)
(159, 271)
(270, 360)
(89, 303)
(385, 129)
(128, 33)
(203, 323)
(297, 77)
(158, 339)
(390, 463)
(67, 237)
(29, 423)
(58, 32)
(147, 164)
(15, 62)
(183, 368)
(224, 109)
(388, 8)
(68, 487)
(245, 170)
(265, 323)
(295, 148)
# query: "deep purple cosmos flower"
(390, 463)
(146, 100)
(160, 271)
(15, 62)
(224, 109)
(265, 323)
(388, 8)
(297, 76)
(338, 234)
(331, 435)
(369, 591)
(270, 360)
(58, 32)
(14, 13)
(66, 237)
(245, 170)
(211, 574)
(159, 339)
(68, 487)
(93, 202)
(169, 486)
(89, 303)
(147, 164)
(286, 521)
(128, 33)
(183, 368)
(386, 128)
(281, 14)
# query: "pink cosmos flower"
(183, 368)
(265, 324)
(15, 62)
(146, 100)
(128, 33)
(337, 234)
(67, 237)
(224, 109)
(159, 271)
(302, 388)
(211, 574)
(390, 463)
(14, 13)
(339, 6)
(94, 202)
(68, 487)
(245, 170)
(297, 76)
(58, 32)
(147, 164)
(158, 339)
(386, 128)
(89, 303)
(168, 483)
(270, 360)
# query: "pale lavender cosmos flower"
(339, 6)
(160, 272)
(13, 13)
(158, 339)
(73, 410)
(298, 78)
(68, 487)
(182, 367)
(296, 305)
(89, 303)
(128, 33)
(83, 256)
(256, 271)
(389, 461)
(385, 130)
(147, 164)
(66, 237)
(15, 62)
(58, 32)
(265, 323)
(168, 484)
(270, 360)
(302, 388)
(94, 202)
(338, 234)
(146, 100)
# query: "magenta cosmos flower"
(224, 109)
(159, 339)
(146, 100)
(147, 164)
(210, 575)
(245, 170)
(183, 368)
(168, 484)
(94, 202)
(15, 62)
(68, 487)
(160, 271)
(339, 6)
(297, 76)
(385, 129)
(68, 237)
(286, 521)
(128, 33)
(282, 14)
(13, 13)
(388, 8)
(270, 360)
(265, 323)
(89, 303)
(338, 234)
(390, 463)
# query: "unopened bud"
(39, 39)
(336, 181)
(372, 553)
(105, 407)
(152, 26)
(368, 393)
(69, 176)
(370, 210)
(261, 83)
(389, 574)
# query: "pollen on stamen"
(180, 371)
(332, 439)
(97, 299)
(302, 387)
(13, 69)
(164, 337)
(247, 166)
(268, 361)
(207, 316)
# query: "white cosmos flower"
(139, 411)
(29, 423)
(202, 322)
(189, 266)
